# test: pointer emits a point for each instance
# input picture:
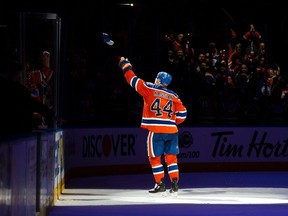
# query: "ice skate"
(174, 187)
(159, 189)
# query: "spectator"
(179, 42)
(37, 81)
(235, 58)
(261, 52)
(168, 63)
(17, 104)
(180, 66)
(212, 54)
(251, 40)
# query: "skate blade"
(159, 194)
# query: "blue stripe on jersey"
(133, 82)
(154, 121)
(181, 114)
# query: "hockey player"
(162, 112)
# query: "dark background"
(89, 72)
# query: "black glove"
(125, 65)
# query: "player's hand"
(124, 64)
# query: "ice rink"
(209, 193)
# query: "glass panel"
(39, 48)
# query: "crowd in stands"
(232, 83)
(236, 83)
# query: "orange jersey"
(163, 110)
(36, 81)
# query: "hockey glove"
(125, 65)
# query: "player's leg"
(158, 173)
(155, 147)
(173, 171)
(171, 150)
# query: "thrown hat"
(107, 39)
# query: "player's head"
(163, 78)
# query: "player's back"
(163, 110)
(160, 108)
